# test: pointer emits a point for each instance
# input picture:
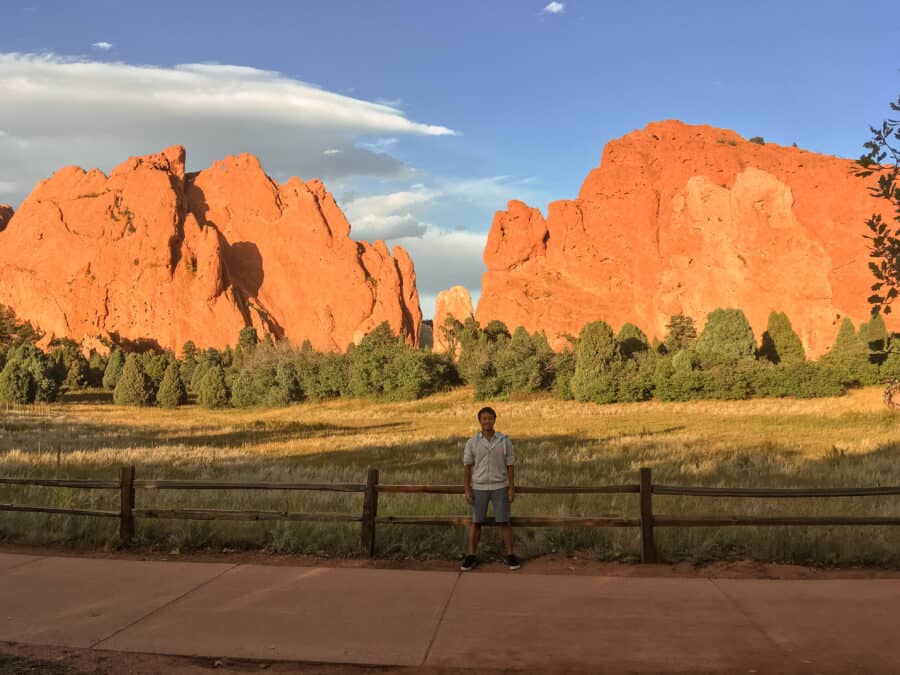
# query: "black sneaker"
(513, 561)
(470, 562)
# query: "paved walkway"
(527, 622)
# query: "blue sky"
(475, 103)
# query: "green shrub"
(564, 369)
(206, 360)
(16, 383)
(800, 380)
(726, 339)
(285, 387)
(113, 370)
(759, 140)
(780, 344)
(848, 357)
(212, 391)
(172, 392)
(597, 364)
(134, 386)
(96, 369)
(322, 375)
(681, 333)
(77, 374)
(523, 363)
(636, 377)
(155, 365)
(631, 341)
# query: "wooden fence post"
(126, 508)
(648, 545)
(369, 513)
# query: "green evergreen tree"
(155, 365)
(206, 360)
(780, 344)
(726, 339)
(96, 369)
(244, 393)
(113, 369)
(134, 386)
(16, 382)
(496, 329)
(213, 391)
(248, 338)
(681, 335)
(631, 341)
(597, 364)
(286, 388)
(77, 375)
(849, 357)
(172, 392)
(523, 364)
(875, 337)
(370, 359)
(563, 370)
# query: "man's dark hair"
(487, 410)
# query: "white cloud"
(388, 216)
(105, 46)
(554, 8)
(445, 258)
(60, 111)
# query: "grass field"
(847, 441)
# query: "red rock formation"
(686, 219)
(6, 214)
(151, 253)
(455, 302)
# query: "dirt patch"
(578, 564)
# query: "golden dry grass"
(846, 441)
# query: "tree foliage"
(883, 159)
(134, 386)
(780, 344)
(212, 390)
(726, 339)
(172, 392)
(113, 370)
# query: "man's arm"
(467, 483)
(511, 490)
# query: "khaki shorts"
(499, 498)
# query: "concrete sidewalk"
(528, 622)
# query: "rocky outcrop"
(455, 302)
(6, 214)
(153, 254)
(687, 219)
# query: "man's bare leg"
(506, 531)
(474, 537)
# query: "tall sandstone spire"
(153, 254)
(687, 219)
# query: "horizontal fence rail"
(244, 485)
(776, 493)
(45, 482)
(35, 508)
(221, 514)
(369, 518)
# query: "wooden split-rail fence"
(128, 484)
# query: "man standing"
(489, 476)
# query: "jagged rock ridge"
(687, 219)
(151, 253)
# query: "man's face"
(487, 422)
